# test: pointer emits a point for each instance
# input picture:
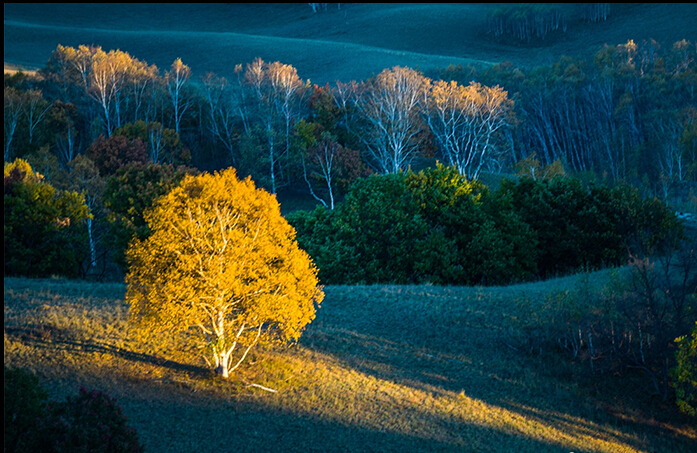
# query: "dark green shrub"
(579, 227)
(472, 238)
(436, 226)
(646, 225)
(430, 226)
(319, 234)
(381, 223)
(25, 403)
(370, 238)
(86, 423)
(45, 229)
(553, 209)
(513, 245)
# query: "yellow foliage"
(531, 167)
(23, 170)
(223, 260)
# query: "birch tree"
(288, 90)
(108, 81)
(142, 79)
(176, 79)
(277, 91)
(392, 106)
(324, 156)
(223, 263)
(465, 121)
(66, 138)
(84, 179)
(36, 111)
(223, 113)
(13, 107)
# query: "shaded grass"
(382, 368)
(352, 43)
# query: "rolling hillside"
(382, 368)
(352, 42)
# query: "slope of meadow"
(382, 368)
(352, 42)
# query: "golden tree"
(222, 263)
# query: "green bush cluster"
(592, 227)
(45, 228)
(433, 226)
(437, 227)
(88, 422)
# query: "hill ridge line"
(256, 37)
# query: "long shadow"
(247, 426)
(252, 427)
(409, 348)
(41, 335)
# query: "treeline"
(525, 22)
(120, 132)
(438, 227)
(628, 115)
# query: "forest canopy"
(624, 117)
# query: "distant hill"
(344, 42)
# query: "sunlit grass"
(382, 368)
(344, 395)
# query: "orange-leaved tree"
(223, 263)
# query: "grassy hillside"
(351, 42)
(382, 368)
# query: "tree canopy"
(223, 263)
(45, 229)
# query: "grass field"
(382, 368)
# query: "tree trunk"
(222, 370)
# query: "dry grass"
(382, 368)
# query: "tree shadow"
(251, 426)
(46, 335)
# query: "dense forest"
(121, 132)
